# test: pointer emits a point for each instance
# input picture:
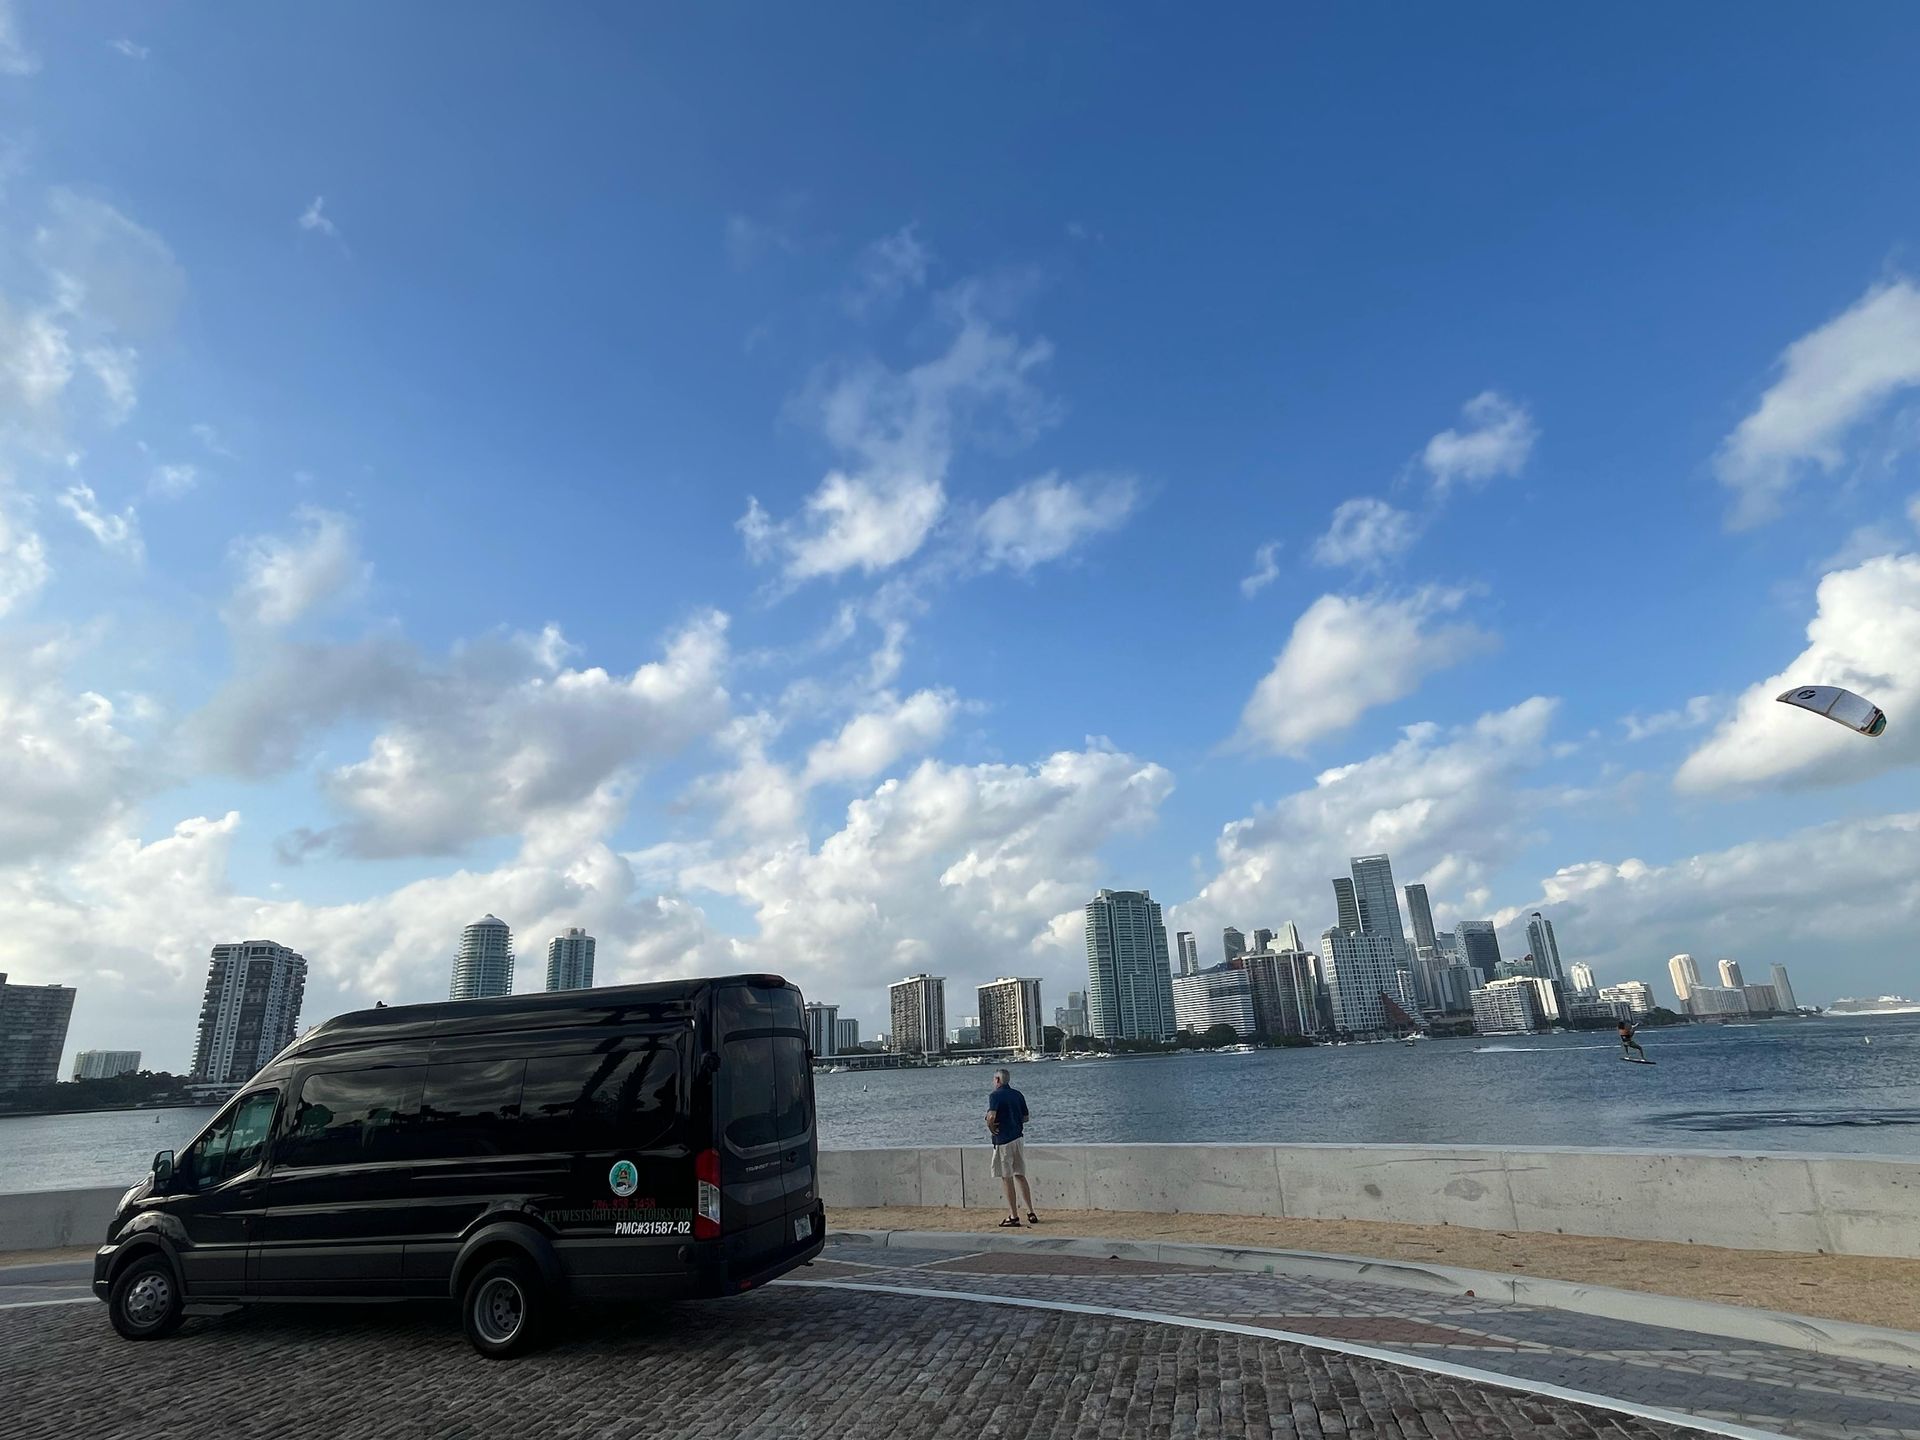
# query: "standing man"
(1006, 1121)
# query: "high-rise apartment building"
(33, 1033)
(1367, 978)
(1760, 999)
(1685, 976)
(1232, 943)
(1730, 974)
(250, 1011)
(1378, 901)
(1010, 1015)
(1457, 982)
(1219, 995)
(1717, 1000)
(1783, 990)
(1283, 993)
(1479, 946)
(1188, 950)
(1545, 949)
(1508, 1007)
(1583, 979)
(570, 961)
(1071, 1018)
(1288, 939)
(1420, 912)
(1636, 995)
(846, 1036)
(1262, 940)
(1346, 908)
(105, 1064)
(823, 1022)
(485, 966)
(1129, 985)
(917, 1006)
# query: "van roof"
(602, 1004)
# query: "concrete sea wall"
(1834, 1204)
(54, 1219)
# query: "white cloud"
(872, 741)
(173, 481)
(108, 274)
(114, 532)
(210, 438)
(1266, 569)
(66, 767)
(1349, 653)
(1696, 712)
(36, 361)
(1865, 635)
(15, 58)
(1497, 441)
(116, 370)
(1366, 534)
(1831, 379)
(23, 561)
(284, 579)
(1047, 517)
(127, 48)
(314, 218)
(887, 269)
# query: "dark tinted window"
(202, 1163)
(764, 1068)
(251, 1126)
(470, 1108)
(349, 1116)
(624, 1099)
(792, 1084)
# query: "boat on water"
(1878, 1005)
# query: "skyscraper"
(1365, 974)
(1232, 943)
(1010, 1015)
(846, 1036)
(1546, 949)
(105, 1064)
(1288, 939)
(1129, 987)
(1262, 940)
(823, 1022)
(1730, 974)
(1345, 906)
(1219, 995)
(1283, 993)
(250, 1011)
(1072, 1017)
(485, 966)
(33, 1032)
(1686, 978)
(1508, 1007)
(1583, 979)
(1379, 902)
(1421, 913)
(1189, 952)
(1479, 946)
(570, 961)
(1783, 989)
(918, 1007)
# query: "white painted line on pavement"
(1403, 1359)
(30, 1304)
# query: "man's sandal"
(1012, 1222)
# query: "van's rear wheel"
(505, 1308)
(145, 1301)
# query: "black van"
(632, 1142)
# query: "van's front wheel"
(145, 1301)
(505, 1308)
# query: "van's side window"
(251, 1124)
(345, 1117)
(620, 1100)
(792, 1076)
(470, 1108)
(203, 1163)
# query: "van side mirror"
(163, 1168)
(710, 1063)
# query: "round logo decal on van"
(624, 1178)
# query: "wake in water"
(1535, 1049)
(1786, 1119)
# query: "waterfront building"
(1129, 985)
(823, 1028)
(1783, 990)
(1583, 979)
(1544, 948)
(1760, 999)
(1232, 943)
(485, 966)
(1262, 940)
(1595, 1008)
(1479, 946)
(250, 1011)
(1636, 995)
(1457, 983)
(1549, 992)
(1508, 1007)
(846, 1036)
(1730, 976)
(1716, 1000)
(1010, 1015)
(1287, 941)
(1685, 976)
(1071, 1018)
(1420, 912)
(1188, 951)
(1345, 906)
(105, 1064)
(33, 1033)
(1219, 995)
(1283, 992)
(570, 961)
(1447, 943)
(1378, 901)
(1367, 980)
(918, 1008)
(967, 1037)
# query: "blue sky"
(825, 492)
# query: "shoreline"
(110, 1109)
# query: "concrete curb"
(1835, 1338)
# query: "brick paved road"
(785, 1362)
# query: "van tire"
(505, 1308)
(145, 1302)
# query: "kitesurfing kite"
(1843, 707)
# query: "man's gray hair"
(1003, 1077)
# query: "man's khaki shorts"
(1009, 1159)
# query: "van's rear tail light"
(706, 1205)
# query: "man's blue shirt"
(1010, 1108)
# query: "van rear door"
(760, 1029)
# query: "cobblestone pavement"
(1767, 1387)
(781, 1364)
